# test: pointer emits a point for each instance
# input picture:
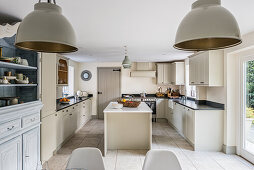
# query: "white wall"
(216, 94)
(128, 84)
(232, 89)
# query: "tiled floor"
(164, 137)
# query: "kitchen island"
(127, 128)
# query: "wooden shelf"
(17, 85)
(16, 66)
(63, 71)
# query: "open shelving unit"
(16, 66)
(18, 85)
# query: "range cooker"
(150, 101)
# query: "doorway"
(247, 108)
(109, 87)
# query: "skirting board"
(229, 149)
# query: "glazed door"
(247, 109)
(108, 87)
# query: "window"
(69, 90)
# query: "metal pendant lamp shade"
(46, 30)
(126, 62)
(208, 26)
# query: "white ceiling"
(147, 27)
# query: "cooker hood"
(144, 69)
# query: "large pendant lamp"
(126, 62)
(208, 26)
(46, 30)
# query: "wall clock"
(86, 75)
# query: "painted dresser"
(20, 123)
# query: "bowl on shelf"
(18, 81)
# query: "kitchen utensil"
(9, 77)
(17, 60)
(5, 81)
(14, 101)
(116, 105)
(143, 95)
(129, 103)
(7, 73)
(20, 76)
(24, 62)
(6, 59)
(79, 93)
(84, 94)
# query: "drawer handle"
(66, 110)
(192, 82)
(73, 108)
(70, 114)
(84, 115)
(202, 82)
(10, 128)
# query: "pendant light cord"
(49, 1)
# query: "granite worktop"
(73, 101)
(200, 105)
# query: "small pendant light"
(46, 30)
(126, 62)
(208, 26)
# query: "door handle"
(99, 92)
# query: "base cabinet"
(11, 154)
(31, 146)
(202, 128)
(20, 137)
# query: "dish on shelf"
(6, 59)
(22, 81)
(9, 77)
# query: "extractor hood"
(144, 69)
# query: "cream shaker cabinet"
(177, 73)
(206, 68)
(163, 73)
(170, 73)
(198, 127)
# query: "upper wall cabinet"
(177, 73)
(62, 70)
(163, 73)
(206, 69)
(170, 73)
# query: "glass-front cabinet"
(18, 74)
(62, 70)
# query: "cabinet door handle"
(27, 156)
(202, 82)
(70, 114)
(10, 128)
(73, 108)
(32, 120)
(55, 114)
(192, 82)
(66, 110)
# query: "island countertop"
(142, 108)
